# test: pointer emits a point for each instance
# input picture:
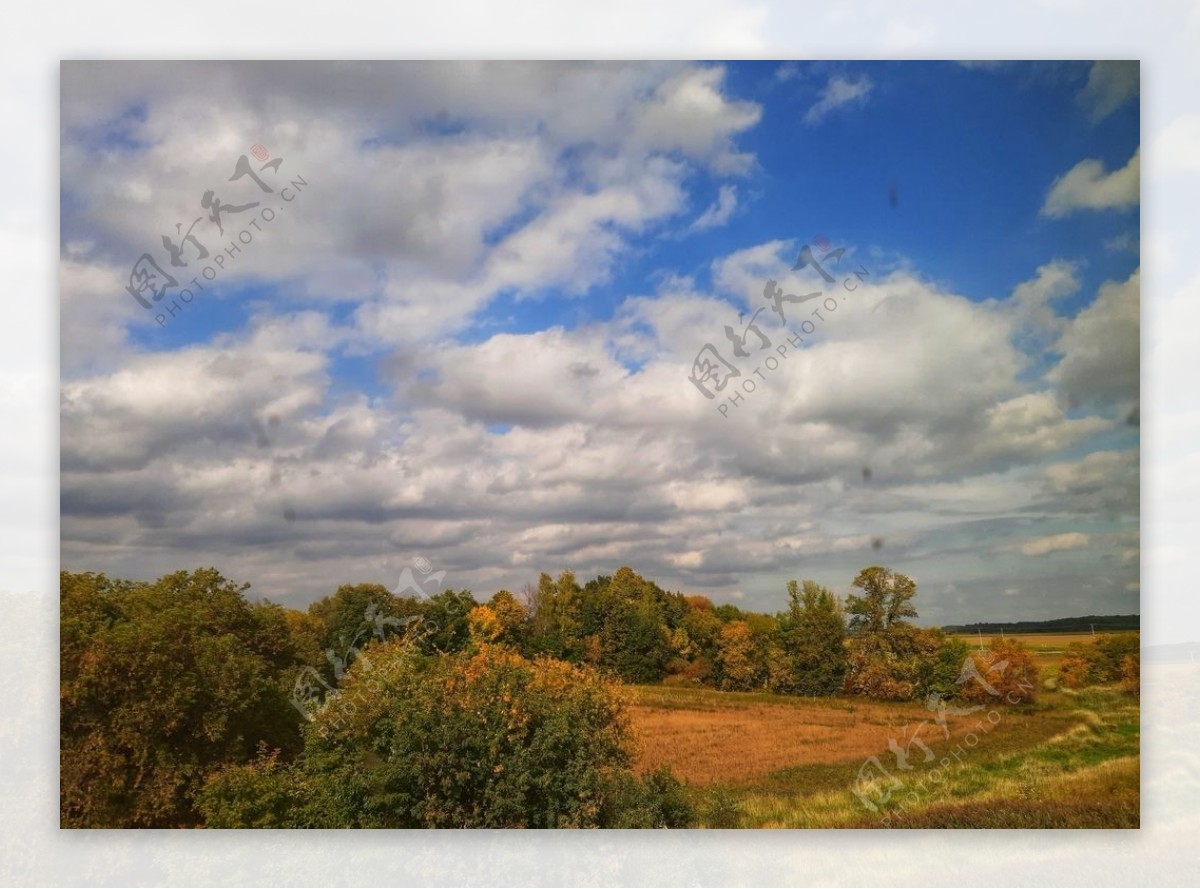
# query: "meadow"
(759, 760)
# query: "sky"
(472, 314)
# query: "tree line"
(181, 699)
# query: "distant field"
(1047, 648)
(760, 760)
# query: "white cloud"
(688, 112)
(1087, 186)
(719, 211)
(838, 91)
(422, 229)
(1032, 301)
(1110, 85)
(1040, 546)
(1101, 347)
(579, 446)
(788, 71)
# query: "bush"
(162, 684)
(721, 809)
(942, 667)
(1004, 672)
(1131, 674)
(264, 793)
(476, 739)
(1112, 658)
(654, 801)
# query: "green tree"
(887, 656)
(941, 664)
(1112, 657)
(350, 617)
(554, 615)
(815, 639)
(886, 603)
(161, 684)
(482, 739)
(513, 618)
(448, 626)
(736, 656)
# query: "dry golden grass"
(763, 761)
(1036, 641)
(1047, 648)
(736, 738)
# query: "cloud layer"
(397, 382)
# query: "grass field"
(761, 760)
(1047, 648)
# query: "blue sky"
(468, 336)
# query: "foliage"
(161, 684)
(351, 616)
(1005, 672)
(483, 739)
(264, 794)
(656, 800)
(815, 638)
(175, 695)
(735, 655)
(1110, 658)
(886, 603)
(940, 672)
(721, 810)
(1131, 674)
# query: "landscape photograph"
(623, 445)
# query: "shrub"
(721, 810)
(654, 801)
(1076, 667)
(1113, 657)
(162, 684)
(264, 793)
(1004, 672)
(474, 739)
(1131, 674)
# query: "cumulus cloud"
(1041, 546)
(537, 181)
(719, 211)
(363, 414)
(1101, 347)
(1110, 85)
(838, 91)
(1088, 186)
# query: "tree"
(1004, 673)
(555, 627)
(942, 659)
(1101, 662)
(887, 654)
(513, 618)
(483, 739)
(815, 639)
(886, 603)
(735, 655)
(161, 684)
(350, 617)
